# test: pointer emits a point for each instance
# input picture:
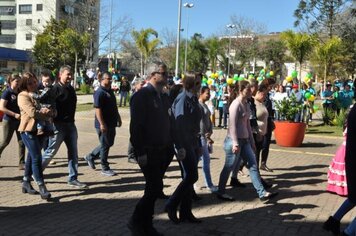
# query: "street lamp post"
(178, 36)
(90, 57)
(229, 26)
(187, 5)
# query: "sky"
(207, 17)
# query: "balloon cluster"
(263, 74)
(310, 97)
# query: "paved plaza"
(104, 209)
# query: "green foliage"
(328, 116)
(215, 49)
(273, 50)
(198, 54)
(84, 88)
(144, 44)
(58, 44)
(288, 108)
(340, 119)
(319, 15)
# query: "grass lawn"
(325, 130)
(84, 107)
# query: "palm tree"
(300, 46)
(144, 45)
(215, 48)
(326, 52)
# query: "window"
(25, 9)
(7, 10)
(28, 22)
(21, 66)
(3, 64)
(8, 24)
(39, 7)
(7, 38)
(28, 37)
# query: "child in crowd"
(46, 98)
(336, 173)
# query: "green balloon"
(236, 76)
(260, 78)
(309, 75)
(268, 75)
(240, 79)
(205, 81)
(294, 74)
(307, 95)
(315, 107)
(262, 72)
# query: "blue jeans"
(68, 133)
(351, 229)
(106, 141)
(34, 158)
(123, 96)
(206, 163)
(232, 159)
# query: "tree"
(144, 45)
(300, 46)
(74, 43)
(319, 15)
(52, 49)
(47, 49)
(197, 54)
(215, 49)
(325, 53)
(273, 50)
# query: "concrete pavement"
(104, 209)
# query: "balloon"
(309, 75)
(315, 108)
(311, 98)
(236, 76)
(271, 73)
(182, 76)
(210, 81)
(307, 95)
(205, 81)
(294, 74)
(260, 78)
(240, 79)
(306, 80)
(289, 79)
(268, 75)
(262, 72)
(229, 81)
(221, 73)
(251, 76)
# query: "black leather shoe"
(268, 196)
(265, 184)
(236, 183)
(189, 217)
(172, 214)
(162, 196)
(265, 168)
(225, 197)
(332, 225)
(44, 192)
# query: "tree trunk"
(325, 75)
(75, 70)
(142, 64)
(300, 75)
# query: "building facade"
(22, 20)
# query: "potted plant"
(289, 130)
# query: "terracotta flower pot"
(289, 134)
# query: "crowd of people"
(168, 118)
